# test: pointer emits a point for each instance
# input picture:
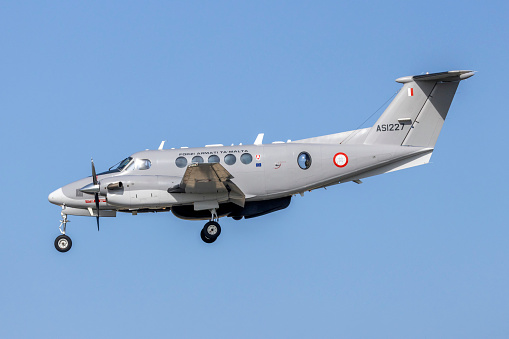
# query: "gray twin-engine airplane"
(248, 181)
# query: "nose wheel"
(63, 243)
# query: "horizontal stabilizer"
(441, 76)
(421, 157)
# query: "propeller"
(96, 194)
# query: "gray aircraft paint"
(404, 136)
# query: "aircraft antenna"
(379, 108)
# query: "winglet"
(259, 139)
(161, 145)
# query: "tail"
(416, 116)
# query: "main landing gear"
(211, 230)
(63, 243)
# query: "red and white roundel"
(340, 159)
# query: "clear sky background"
(419, 253)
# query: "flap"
(210, 178)
(205, 178)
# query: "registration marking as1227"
(389, 127)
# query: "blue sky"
(418, 253)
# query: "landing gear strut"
(211, 230)
(63, 243)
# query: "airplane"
(247, 181)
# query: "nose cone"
(57, 197)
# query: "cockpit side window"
(139, 164)
(143, 164)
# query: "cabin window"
(230, 159)
(246, 158)
(214, 159)
(304, 160)
(181, 162)
(197, 160)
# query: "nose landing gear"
(211, 230)
(63, 243)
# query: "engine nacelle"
(111, 184)
(115, 186)
(251, 209)
(138, 191)
(187, 212)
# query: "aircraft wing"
(209, 178)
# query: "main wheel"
(205, 239)
(63, 243)
(212, 230)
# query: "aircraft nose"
(57, 197)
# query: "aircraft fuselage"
(274, 172)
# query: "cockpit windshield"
(118, 167)
(123, 164)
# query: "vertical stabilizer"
(416, 116)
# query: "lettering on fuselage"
(213, 152)
(93, 201)
(389, 127)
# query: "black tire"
(211, 230)
(205, 239)
(63, 243)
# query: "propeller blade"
(96, 195)
(97, 206)
(94, 176)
